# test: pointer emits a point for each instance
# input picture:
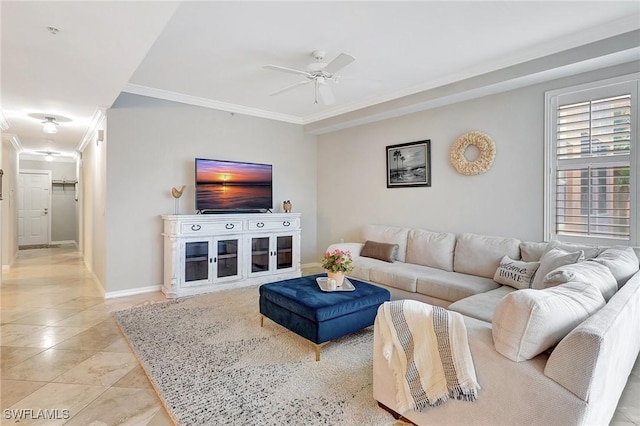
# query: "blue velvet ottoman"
(299, 305)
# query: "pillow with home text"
(516, 273)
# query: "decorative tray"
(346, 285)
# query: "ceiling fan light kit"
(320, 73)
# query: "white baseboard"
(7, 267)
(132, 292)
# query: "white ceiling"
(212, 53)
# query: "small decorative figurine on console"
(177, 193)
(286, 206)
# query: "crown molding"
(494, 82)
(615, 31)
(4, 124)
(14, 140)
(209, 103)
(97, 121)
(620, 30)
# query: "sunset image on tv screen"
(229, 185)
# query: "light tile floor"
(61, 350)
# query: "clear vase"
(338, 276)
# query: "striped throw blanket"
(427, 349)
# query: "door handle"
(46, 211)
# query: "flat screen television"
(233, 186)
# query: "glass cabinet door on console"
(226, 263)
(284, 252)
(260, 254)
(271, 253)
(196, 263)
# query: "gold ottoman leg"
(317, 347)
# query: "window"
(591, 154)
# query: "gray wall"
(64, 216)
(9, 205)
(151, 148)
(507, 200)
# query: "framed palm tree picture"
(409, 164)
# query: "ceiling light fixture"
(48, 155)
(50, 125)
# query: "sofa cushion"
(353, 248)
(586, 272)
(516, 273)
(480, 255)
(482, 305)
(381, 251)
(362, 267)
(388, 234)
(532, 251)
(397, 275)
(452, 286)
(551, 260)
(528, 322)
(433, 249)
(590, 251)
(621, 261)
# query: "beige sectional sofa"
(545, 352)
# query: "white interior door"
(34, 202)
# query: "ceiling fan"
(48, 154)
(319, 73)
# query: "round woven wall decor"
(482, 163)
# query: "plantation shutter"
(593, 160)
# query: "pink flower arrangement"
(337, 261)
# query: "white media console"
(204, 253)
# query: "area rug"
(212, 363)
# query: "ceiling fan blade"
(326, 94)
(338, 63)
(284, 89)
(285, 69)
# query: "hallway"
(61, 350)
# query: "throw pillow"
(389, 235)
(590, 251)
(515, 273)
(380, 251)
(551, 260)
(532, 251)
(588, 272)
(621, 261)
(528, 322)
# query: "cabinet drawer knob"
(196, 227)
(260, 225)
(286, 223)
(229, 225)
